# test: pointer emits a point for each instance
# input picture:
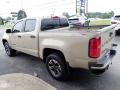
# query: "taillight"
(95, 47)
(113, 22)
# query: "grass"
(6, 26)
(100, 22)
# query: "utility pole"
(81, 7)
(21, 4)
(86, 6)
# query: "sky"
(35, 8)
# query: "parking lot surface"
(80, 79)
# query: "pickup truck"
(61, 46)
(116, 20)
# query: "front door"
(16, 36)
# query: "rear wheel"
(57, 67)
(10, 52)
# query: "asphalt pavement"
(79, 80)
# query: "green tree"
(66, 14)
(111, 14)
(1, 21)
(100, 15)
(8, 18)
(21, 14)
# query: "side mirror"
(8, 31)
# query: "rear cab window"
(53, 23)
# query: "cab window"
(50, 23)
(30, 25)
(18, 27)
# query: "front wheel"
(57, 67)
(10, 52)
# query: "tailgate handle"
(110, 34)
(19, 36)
(32, 36)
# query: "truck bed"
(96, 27)
(88, 31)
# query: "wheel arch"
(4, 40)
(47, 51)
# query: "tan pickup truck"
(62, 46)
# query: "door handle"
(19, 36)
(32, 36)
(110, 34)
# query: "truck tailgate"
(107, 35)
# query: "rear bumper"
(117, 27)
(104, 62)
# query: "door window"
(18, 27)
(30, 25)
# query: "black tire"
(57, 67)
(117, 32)
(10, 52)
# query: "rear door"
(30, 37)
